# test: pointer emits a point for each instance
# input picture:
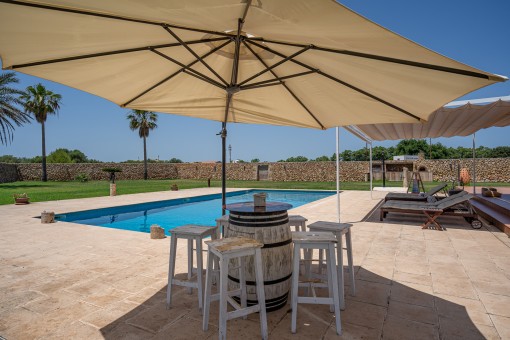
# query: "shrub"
(82, 177)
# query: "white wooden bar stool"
(191, 233)
(227, 249)
(339, 229)
(298, 222)
(222, 224)
(309, 241)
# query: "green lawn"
(50, 191)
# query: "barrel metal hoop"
(266, 283)
(258, 224)
(277, 244)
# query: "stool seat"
(189, 232)
(298, 221)
(338, 229)
(228, 250)
(308, 236)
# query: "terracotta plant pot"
(464, 175)
(22, 200)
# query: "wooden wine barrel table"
(270, 226)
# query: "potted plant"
(21, 198)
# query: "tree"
(322, 159)
(41, 102)
(143, 121)
(77, 156)
(59, 156)
(412, 147)
(297, 159)
(174, 160)
(10, 113)
(255, 160)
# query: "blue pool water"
(203, 210)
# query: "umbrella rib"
(110, 16)
(176, 73)
(204, 78)
(190, 50)
(339, 81)
(386, 59)
(269, 68)
(103, 54)
(186, 67)
(285, 86)
(278, 79)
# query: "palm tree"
(143, 121)
(41, 102)
(10, 114)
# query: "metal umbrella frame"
(257, 46)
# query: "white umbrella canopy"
(303, 63)
(145, 55)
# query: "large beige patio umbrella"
(313, 64)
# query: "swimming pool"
(203, 210)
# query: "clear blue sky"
(471, 31)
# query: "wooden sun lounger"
(452, 205)
(397, 196)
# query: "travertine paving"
(70, 281)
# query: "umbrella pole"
(370, 172)
(474, 165)
(223, 167)
(337, 174)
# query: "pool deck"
(72, 281)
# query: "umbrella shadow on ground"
(382, 308)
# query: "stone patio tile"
(498, 288)
(454, 286)
(364, 314)
(133, 284)
(458, 308)
(413, 312)
(155, 318)
(350, 331)
(465, 329)
(149, 296)
(104, 317)
(18, 298)
(89, 287)
(55, 301)
(502, 325)
(104, 298)
(370, 292)
(496, 304)
(308, 326)
(123, 331)
(185, 329)
(412, 267)
(374, 272)
(77, 330)
(412, 293)
(398, 328)
(448, 270)
(404, 277)
(15, 317)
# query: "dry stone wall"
(8, 173)
(487, 170)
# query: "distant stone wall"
(487, 170)
(8, 173)
(317, 171)
(69, 171)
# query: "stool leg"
(261, 296)
(171, 269)
(200, 268)
(321, 261)
(348, 241)
(190, 263)
(223, 297)
(340, 269)
(295, 286)
(334, 285)
(242, 284)
(208, 287)
(329, 274)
